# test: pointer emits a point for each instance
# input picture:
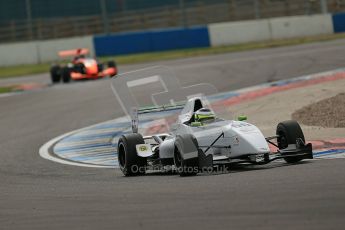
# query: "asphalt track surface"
(39, 194)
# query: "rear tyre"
(55, 74)
(66, 75)
(288, 132)
(130, 163)
(186, 167)
(100, 67)
(112, 64)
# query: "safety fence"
(41, 20)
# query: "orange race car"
(81, 67)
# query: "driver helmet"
(203, 114)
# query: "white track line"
(44, 150)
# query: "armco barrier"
(19, 53)
(226, 33)
(339, 22)
(180, 38)
(300, 26)
(41, 51)
(48, 49)
(274, 28)
(126, 43)
(155, 40)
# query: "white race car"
(198, 141)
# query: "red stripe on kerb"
(29, 86)
(273, 89)
(337, 141)
(317, 144)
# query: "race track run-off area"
(95, 146)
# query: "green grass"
(6, 89)
(22, 70)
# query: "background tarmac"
(39, 194)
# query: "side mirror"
(242, 118)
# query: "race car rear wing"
(74, 52)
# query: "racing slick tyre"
(111, 64)
(186, 159)
(100, 67)
(288, 132)
(66, 75)
(129, 161)
(55, 74)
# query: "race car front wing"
(300, 150)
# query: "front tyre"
(288, 132)
(112, 64)
(185, 146)
(129, 161)
(55, 74)
(66, 75)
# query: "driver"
(79, 55)
(204, 115)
